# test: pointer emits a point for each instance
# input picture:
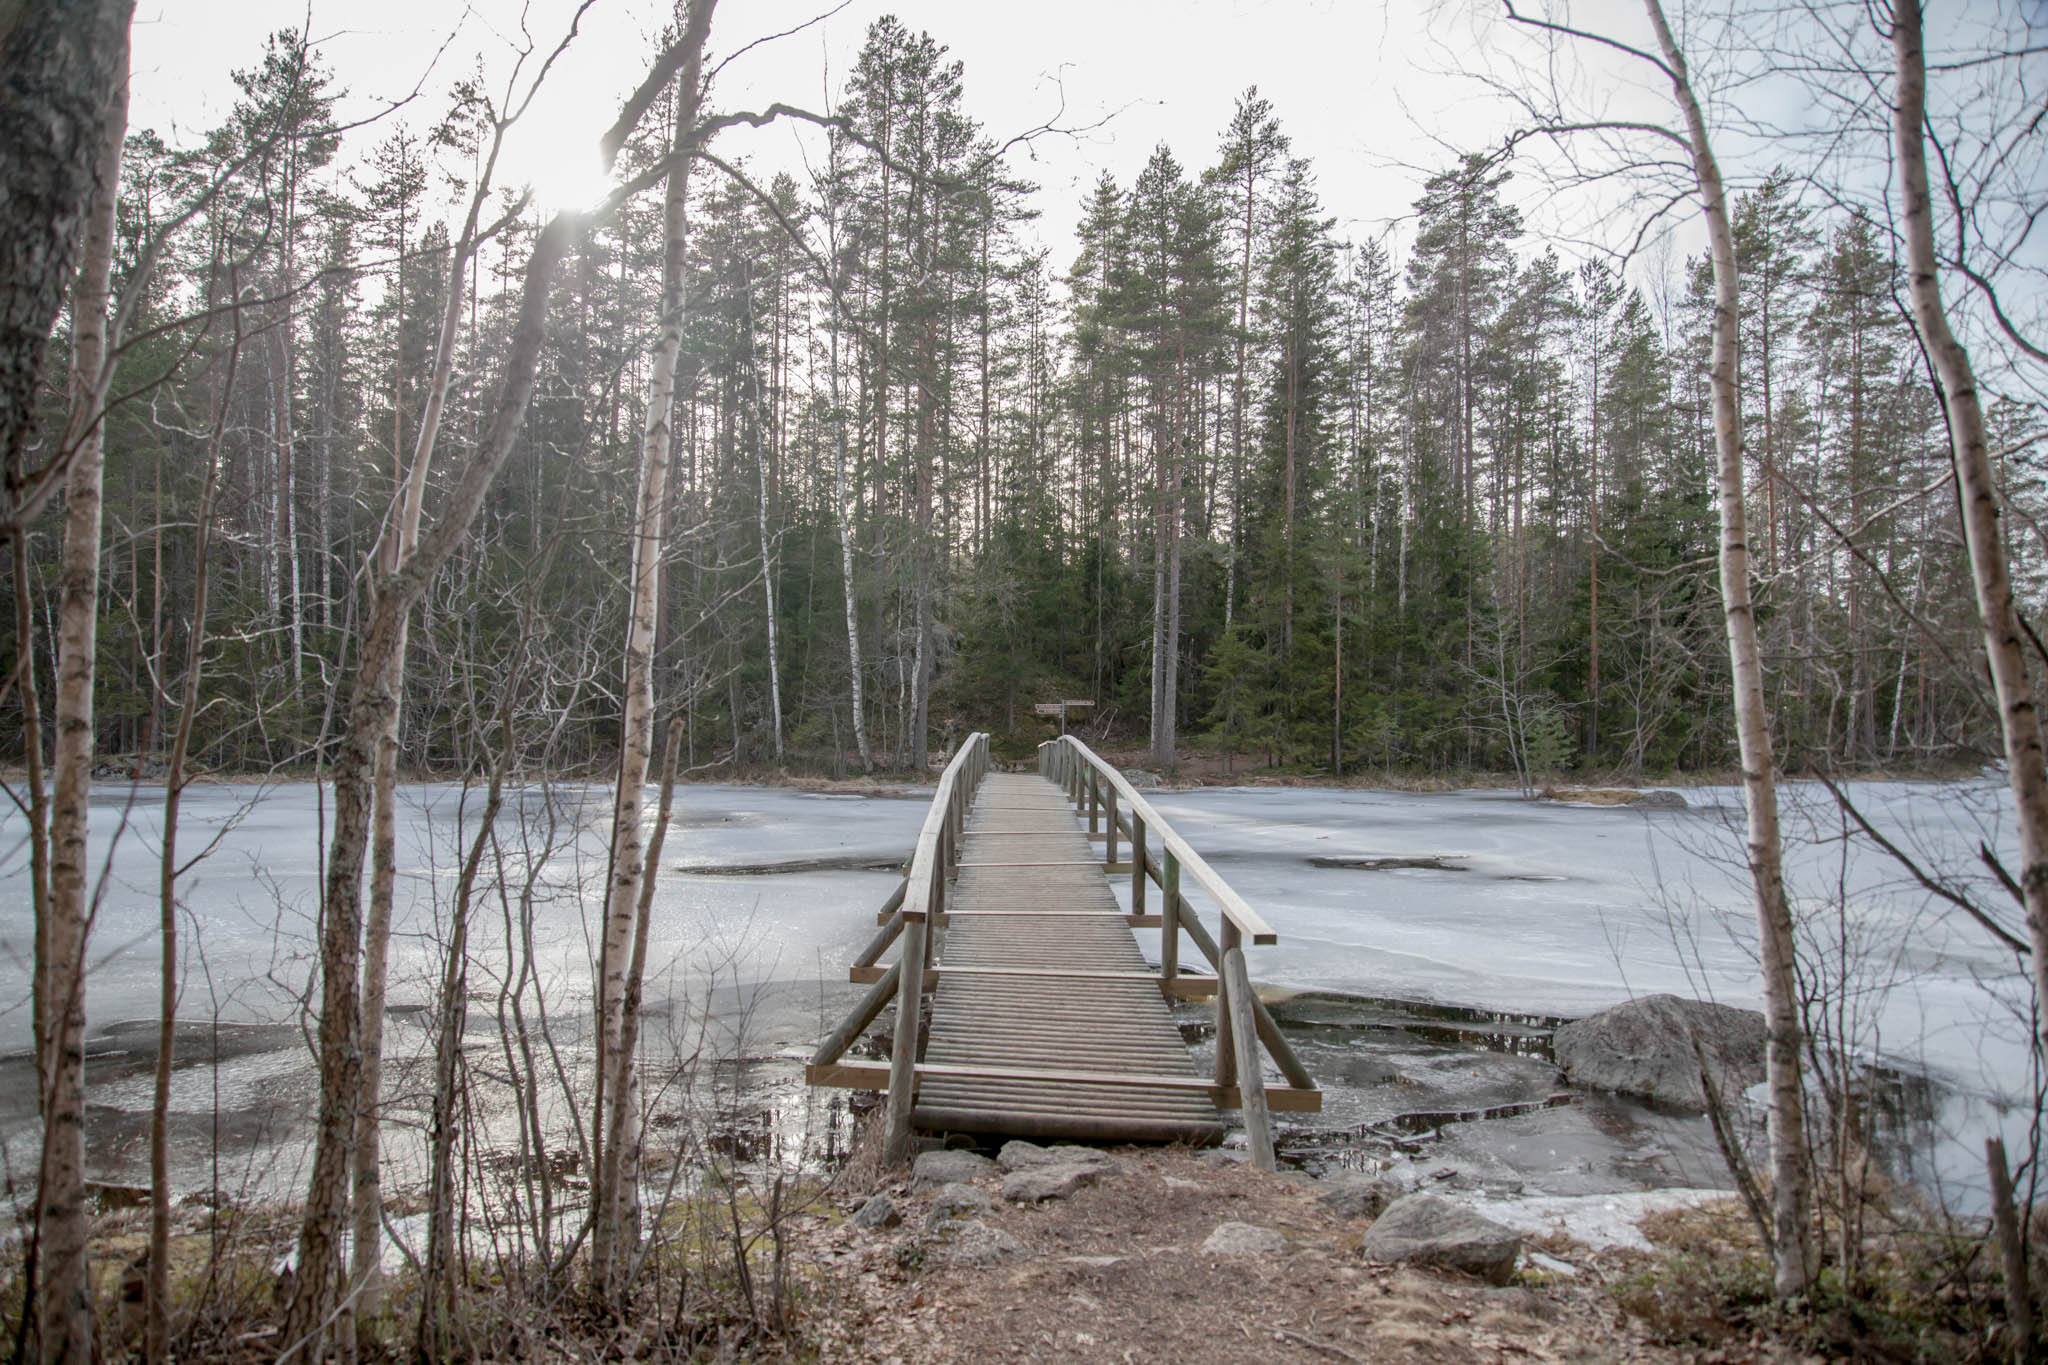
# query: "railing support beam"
(903, 1051)
(1169, 920)
(1226, 1047)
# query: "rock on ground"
(934, 1169)
(1018, 1155)
(1244, 1239)
(1036, 1184)
(1353, 1194)
(1644, 1048)
(976, 1243)
(878, 1212)
(1425, 1230)
(956, 1201)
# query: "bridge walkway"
(1024, 1004)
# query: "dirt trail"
(1117, 1273)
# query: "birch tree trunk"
(368, 712)
(370, 707)
(1169, 707)
(1969, 447)
(400, 539)
(615, 1205)
(1162, 756)
(156, 1333)
(839, 504)
(767, 552)
(437, 1285)
(64, 1300)
(29, 691)
(1791, 1196)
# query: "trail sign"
(1060, 709)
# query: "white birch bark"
(1791, 1178)
(1160, 743)
(615, 1195)
(2004, 644)
(839, 505)
(396, 546)
(157, 1302)
(767, 550)
(369, 709)
(64, 1300)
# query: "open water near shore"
(1428, 943)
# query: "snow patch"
(1598, 1221)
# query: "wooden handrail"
(914, 913)
(1243, 1024)
(924, 898)
(1248, 921)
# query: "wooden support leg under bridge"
(1041, 1017)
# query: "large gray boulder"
(1645, 1048)
(1424, 1230)
(1036, 1184)
(1354, 1194)
(1019, 1155)
(934, 1169)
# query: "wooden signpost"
(1060, 709)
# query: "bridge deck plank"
(1027, 868)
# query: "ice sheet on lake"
(1564, 910)
(254, 898)
(1551, 909)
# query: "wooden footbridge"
(1023, 1003)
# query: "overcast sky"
(1361, 89)
(1370, 92)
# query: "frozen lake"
(1520, 908)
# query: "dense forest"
(1296, 499)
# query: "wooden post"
(1110, 847)
(903, 1052)
(1169, 918)
(1251, 1083)
(1094, 781)
(1139, 875)
(1226, 1049)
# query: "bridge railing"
(910, 914)
(1116, 811)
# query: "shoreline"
(1195, 773)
